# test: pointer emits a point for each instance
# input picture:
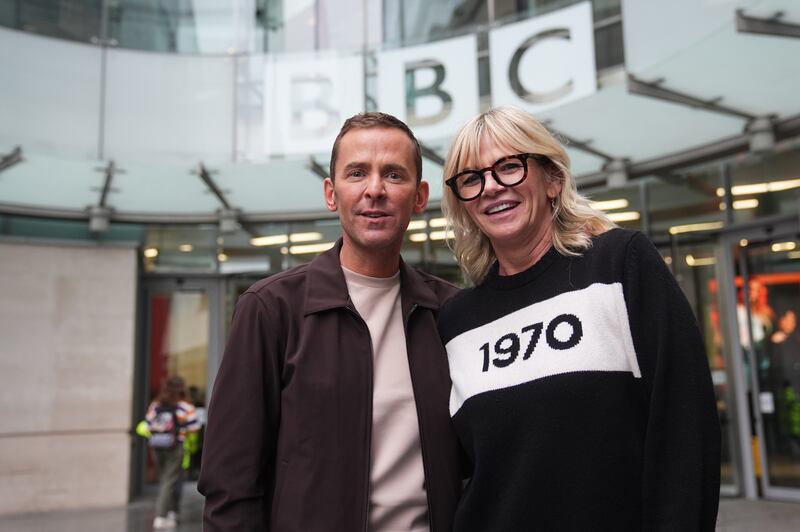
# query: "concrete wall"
(67, 322)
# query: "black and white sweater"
(582, 396)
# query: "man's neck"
(379, 263)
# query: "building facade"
(158, 157)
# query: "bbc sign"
(536, 64)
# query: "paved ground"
(735, 515)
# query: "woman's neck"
(514, 259)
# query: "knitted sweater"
(582, 396)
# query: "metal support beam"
(430, 154)
(317, 168)
(7, 161)
(205, 175)
(766, 26)
(582, 145)
(656, 90)
(110, 170)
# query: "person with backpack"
(170, 419)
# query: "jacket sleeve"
(237, 472)
(681, 470)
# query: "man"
(330, 408)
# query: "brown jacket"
(287, 447)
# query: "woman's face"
(512, 216)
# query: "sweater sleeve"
(238, 474)
(681, 469)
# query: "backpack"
(164, 428)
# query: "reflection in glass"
(178, 345)
(773, 340)
(694, 268)
(417, 21)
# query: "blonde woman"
(581, 392)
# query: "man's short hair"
(376, 119)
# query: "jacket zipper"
(419, 424)
(371, 378)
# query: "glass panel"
(190, 248)
(169, 107)
(608, 45)
(417, 21)
(621, 204)
(694, 269)
(766, 185)
(67, 230)
(680, 204)
(513, 9)
(774, 295)
(51, 95)
(77, 20)
(178, 345)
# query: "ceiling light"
(186, 248)
(305, 237)
(441, 235)
(777, 247)
(761, 188)
(416, 225)
(151, 253)
(437, 222)
(418, 237)
(740, 205)
(311, 248)
(777, 186)
(793, 254)
(689, 228)
(610, 205)
(691, 260)
(222, 257)
(269, 240)
(624, 216)
(743, 242)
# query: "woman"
(581, 393)
(169, 418)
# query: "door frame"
(730, 238)
(214, 286)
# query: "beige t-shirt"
(397, 489)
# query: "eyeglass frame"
(522, 157)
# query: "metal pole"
(644, 201)
(725, 179)
(753, 360)
(364, 48)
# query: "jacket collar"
(327, 289)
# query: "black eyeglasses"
(509, 171)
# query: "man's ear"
(330, 196)
(421, 199)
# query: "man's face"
(375, 189)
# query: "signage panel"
(432, 87)
(544, 62)
(306, 100)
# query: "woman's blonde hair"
(574, 219)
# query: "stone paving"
(735, 515)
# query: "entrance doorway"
(767, 285)
(182, 336)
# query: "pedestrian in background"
(170, 418)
